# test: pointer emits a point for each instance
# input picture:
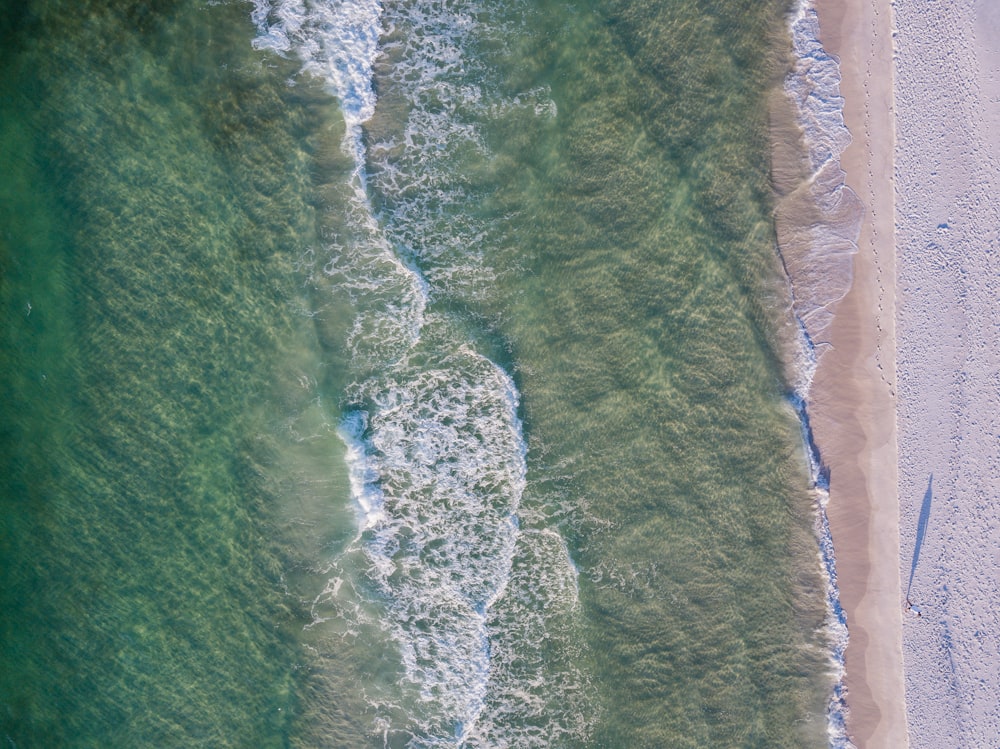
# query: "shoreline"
(832, 148)
(852, 400)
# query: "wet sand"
(852, 401)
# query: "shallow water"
(400, 375)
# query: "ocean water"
(400, 374)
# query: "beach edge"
(853, 397)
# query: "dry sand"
(948, 324)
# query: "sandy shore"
(853, 395)
(836, 236)
(905, 404)
(948, 354)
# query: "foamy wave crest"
(836, 618)
(537, 697)
(823, 217)
(337, 41)
(368, 498)
(444, 447)
(836, 626)
(428, 162)
(434, 447)
(815, 87)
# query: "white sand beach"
(947, 98)
(905, 404)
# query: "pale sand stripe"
(948, 242)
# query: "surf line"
(836, 618)
(400, 432)
(813, 86)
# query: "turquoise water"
(399, 374)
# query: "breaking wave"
(434, 446)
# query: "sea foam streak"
(836, 619)
(444, 447)
(421, 170)
(818, 254)
(338, 43)
(820, 274)
(434, 446)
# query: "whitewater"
(434, 444)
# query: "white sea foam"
(434, 448)
(836, 620)
(337, 41)
(424, 167)
(819, 254)
(836, 626)
(533, 626)
(819, 261)
(814, 85)
(446, 446)
(368, 498)
(483, 612)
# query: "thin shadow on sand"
(925, 514)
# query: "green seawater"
(158, 186)
(583, 189)
(645, 333)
